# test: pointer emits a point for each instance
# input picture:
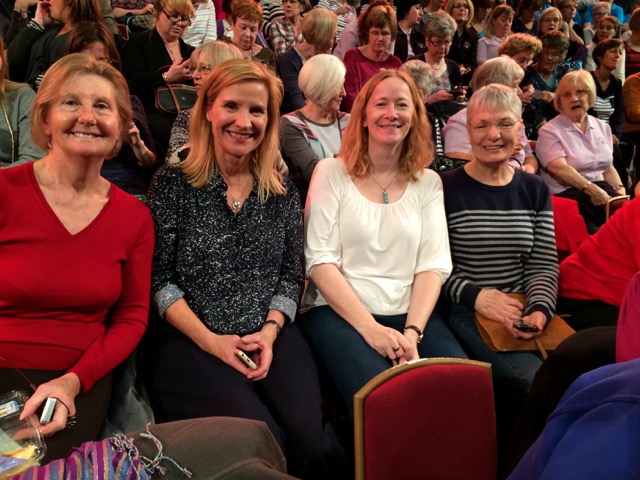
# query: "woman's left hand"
(134, 135)
(260, 347)
(411, 353)
(65, 388)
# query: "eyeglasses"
(175, 18)
(440, 43)
(581, 92)
(374, 32)
(460, 5)
(484, 127)
(203, 69)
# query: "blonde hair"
(577, 78)
(180, 7)
(61, 73)
(496, 13)
(215, 52)
(417, 147)
(449, 8)
(200, 165)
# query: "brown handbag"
(498, 338)
(174, 98)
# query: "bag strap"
(175, 99)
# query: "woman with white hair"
(503, 71)
(315, 131)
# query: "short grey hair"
(502, 70)
(494, 97)
(441, 25)
(321, 78)
(421, 74)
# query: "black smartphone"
(456, 92)
(524, 327)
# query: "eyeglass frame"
(502, 126)
(176, 18)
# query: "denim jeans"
(351, 362)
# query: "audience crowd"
(335, 188)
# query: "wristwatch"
(415, 329)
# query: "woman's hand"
(389, 342)
(179, 72)
(439, 96)
(526, 95)
(498, 306)
(537, 319)
(597, 195)
(259, 346)
(412, 352)
(547, 97)
(146, 10)
(65, 388)
(42, 15)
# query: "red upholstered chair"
(569, 226)
(614, 204)
(429, 419)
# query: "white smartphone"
(245, 359)
(47, 411)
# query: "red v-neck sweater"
(71, 302)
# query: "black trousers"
(593, 216)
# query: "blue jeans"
(351, 362)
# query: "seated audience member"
(319, 33)
(40, 43)
(464, 44)
(160, 57)
(224, 29)
(593, 279)
(525, 17)
(631, 97)
(482, 10)
(594, 430)
(365, 312)
(544, 75)
(608, 29)
(133, 13)
(354, 34)
(345, 11)
(502, 241)
(273, 9)
(422, 76)
(206, 57)
(432, 7)
(409, 40)
(589, 21)
(76, 269)
(568, 9)
(497, 31)
(131, 167)
(376, 34)
(227, 276)
(246, 20)
(16, 144)
(447, 95)
(503, 71)
(286, 31)
(522, 47)
(600, 10)
(632, 46)
(576, 150)
(203, 26)
(314, 132)
(550, 20)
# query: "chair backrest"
(432, 418)
(569, 226)
(614, 204)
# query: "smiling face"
(83, 120)
(238, 119)
(574, 103)
(502, 25)
(389, 112)
(606, 30)
(493, 136)
(245, 32)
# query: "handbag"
(498, 338)
(175, 98)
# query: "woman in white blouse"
(376, 244)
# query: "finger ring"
(396, 348)
(71, 421)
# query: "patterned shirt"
(230, 269)
(282, 36)
(343, 18)
(179, 136)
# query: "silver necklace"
(235, 203)
(385, 195)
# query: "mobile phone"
(524, 327)
(47, 411)
(245, 359)
(456, 92)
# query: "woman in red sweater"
(75, 254)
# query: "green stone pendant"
(385, 197)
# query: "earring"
(115, 151)
(48, 144)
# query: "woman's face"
(549, 58)
(606, 30)
(245, 32)
(598, 13)
(389, 112)
(414, 15)
(438, 47)
(568, 12)
(171, 25)
(550, 22)
(493, 135)
(528, 14)
(83, 121)
(524, 59)
(482, 13)
(436, 4)
(502, 25)
(334, 104)
(460, 11)
(379, 39)
(574, 103)
(59, 10)
(292, 9)
(239, 117)
(98, 51)
(611, 58)
(200, 73)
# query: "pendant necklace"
(385, 195)
(235, 203)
